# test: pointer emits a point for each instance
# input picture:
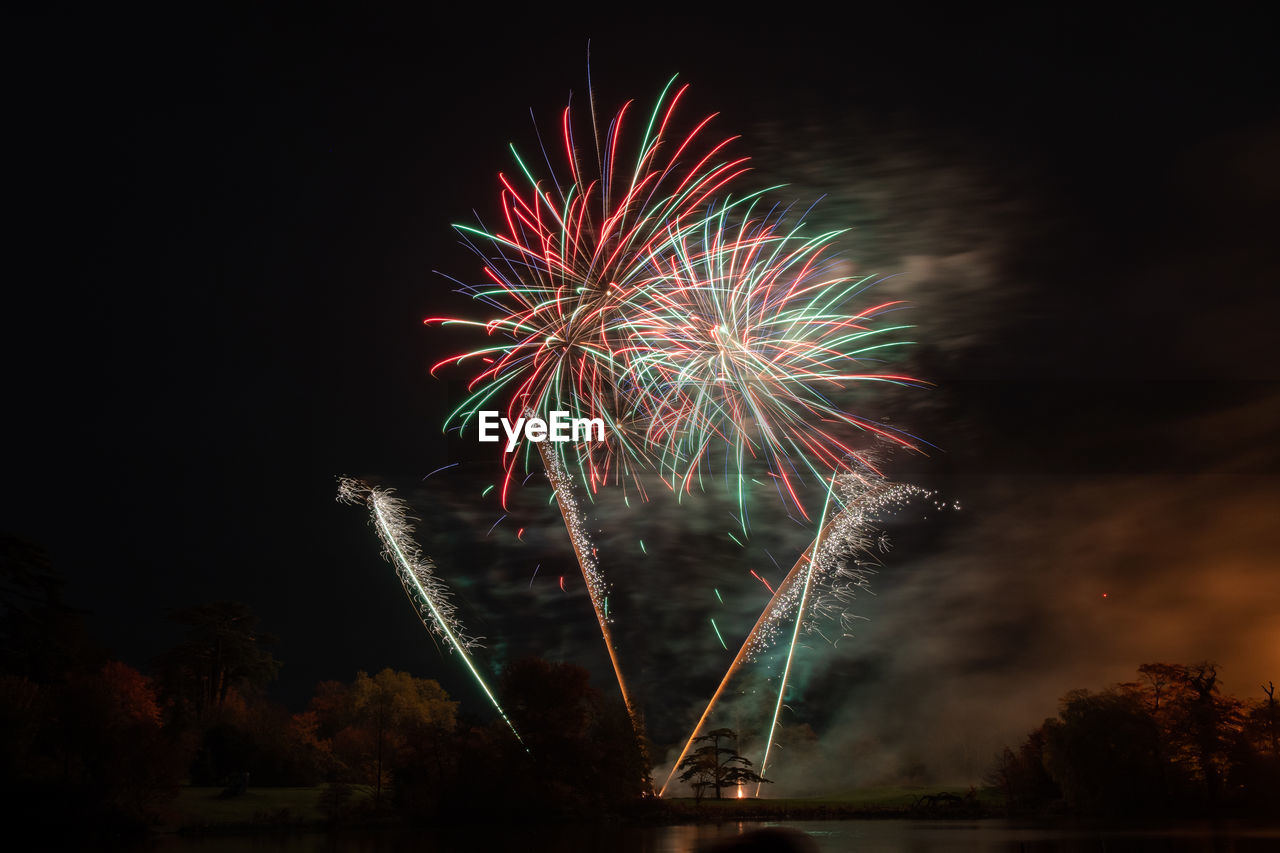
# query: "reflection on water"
(890, 836)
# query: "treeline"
(90, 741)
(1169, 742)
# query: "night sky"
(230, 230)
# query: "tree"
(1104, 753)
(222, 652)
(1164, 684)
(253, 735)
(1211, 717)
(583, 755)
(1197, 725)
(1021, 776)
(1255, 761)
(115, 757)
(1168, 741)
(390, 709)
(24, 712)
(41, 637)
(716, 766)
(1266, 718)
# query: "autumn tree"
(114, 755)
(23, 714)
(1197, 724)
(251, 734)
(717, 766)
(378, 721)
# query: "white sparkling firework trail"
(845, 560)
(841, 563)
(390, 519)
(819, 549)
(838, 564)
(572, 513)
(597, 589)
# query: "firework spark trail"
(597, 589)
(719, 636)
(848, 557)
(814, 561)
(417, 575)
(864, 498)
(750, 647)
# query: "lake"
(889, 836)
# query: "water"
(883, 836)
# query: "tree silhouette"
(716, 766)
(41, 637)
(1269, 718)
(583, 752)
(223, 651)
(1169, 741)
(1104, 753)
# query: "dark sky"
(228, 234)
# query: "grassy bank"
(197, 809)
(865, 802)
(205, 810)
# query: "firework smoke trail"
(417, 575)
(585, 552)
(864, 498)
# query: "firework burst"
(750, 336)
(560, 277)
(624, 289)
(562, 273)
